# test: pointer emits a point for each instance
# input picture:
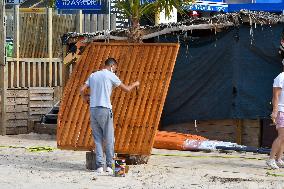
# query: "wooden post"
(16, 42)
(64, 73)
(49, 26)
(3, 68)
(79, 22)
(239, 131)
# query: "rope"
(33, 149)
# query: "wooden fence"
(36, 72)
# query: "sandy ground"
(20, 168)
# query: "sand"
(20, 168)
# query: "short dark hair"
(110, 61)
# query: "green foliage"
(133, 9)
(51, 3)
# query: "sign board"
(213, 6)
(82, 4)
(13, 2)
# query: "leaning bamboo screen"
(136, 114)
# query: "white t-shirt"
(279, 82)
(101, 84)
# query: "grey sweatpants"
(103, 133)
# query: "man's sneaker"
(272, 164)
(100, 170)
(109, 170)
(280, 163)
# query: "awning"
(235, 6)
(269, 7)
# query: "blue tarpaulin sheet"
(224, 76)
(269, 7)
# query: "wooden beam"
(16, 31)
(17, 41)
(34, 59)
(32, 10)
(239, 131)
(64, 73)
(3, 68)
(49, 16)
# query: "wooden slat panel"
(106, 21)
(34, 74)
(39, 74)
(136, 116)
(23, 74)
(45, 74)
(28, 74)
(55, 74)
(87, 23)
(17, 74)
(60, 80)
(93, 23)
(12, 74)
(71, 90)
(100, 23)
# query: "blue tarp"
(237, 5)
(226, 76)
(269, 7)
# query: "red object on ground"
(176, 141)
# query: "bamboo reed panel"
(136, 114)
(33, 40)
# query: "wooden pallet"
(40, 102)
(17, 111)
(136, 114)
(26, 104)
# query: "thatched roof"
(217, 22)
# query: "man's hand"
(136, 84)
(86, 98)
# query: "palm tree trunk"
(135, 34)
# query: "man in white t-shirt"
(101, 84)
(277, 116)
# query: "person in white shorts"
(277, 116)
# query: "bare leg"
(280, 137)
(275, 148)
